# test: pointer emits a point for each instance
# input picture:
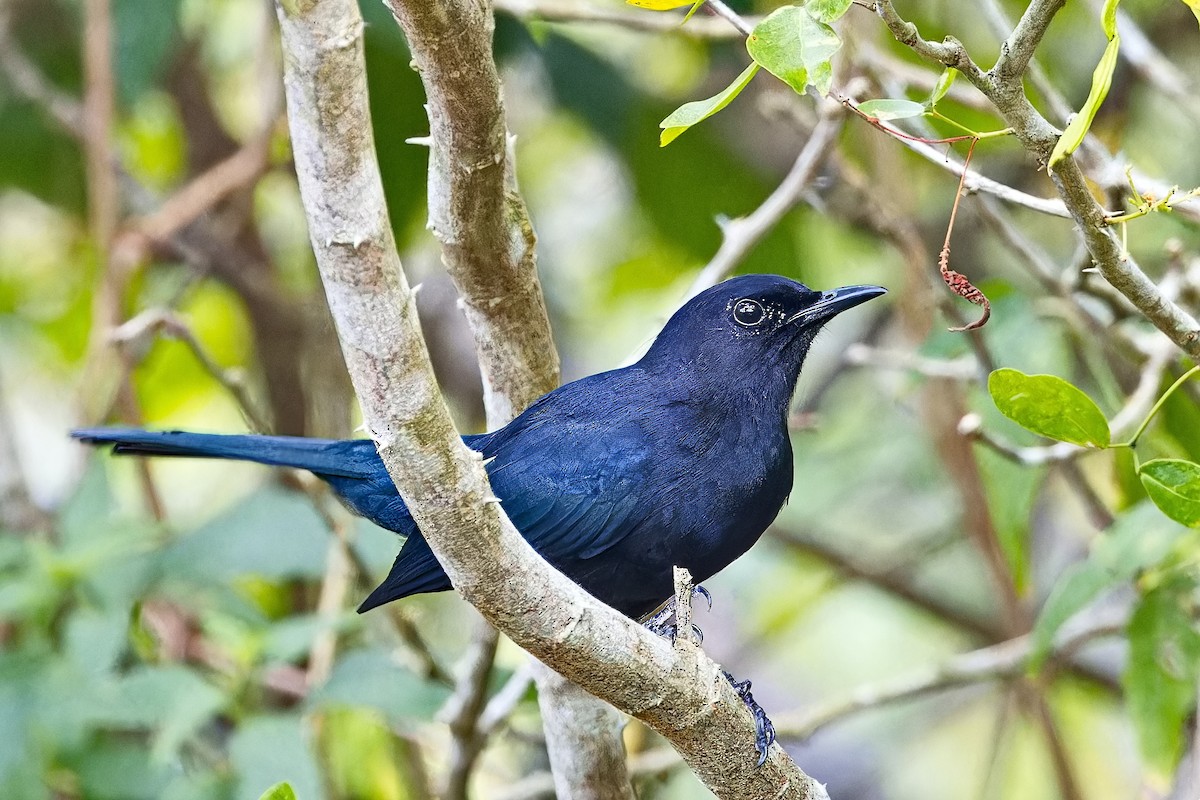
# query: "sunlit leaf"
(1079, 125)
(1160, 681)
(689, 114)
(945, 81)
(659, 5)
(1049, 406)
(1139, 538)
(1194, 5)
(891, 109)
(1174, 486)
(280, 791)
(828, 11)
(795, 48)
(1108, 18)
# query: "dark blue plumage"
(680, 459)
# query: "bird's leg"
(661, 622)
(764, 731)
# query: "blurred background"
(185, 629)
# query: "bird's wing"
(573, 488)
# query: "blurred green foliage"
(186, 657)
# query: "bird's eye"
(748, 313)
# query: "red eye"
(748, 313)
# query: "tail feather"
(331, 457)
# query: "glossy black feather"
(680, 459)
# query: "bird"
(682, 458)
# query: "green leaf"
(689, 114)
(1160, 681)
(1174, 486)
(943, 85)
(1049, 406)
(1108, 18)
(795, 48)
(891, 109)
(1138, 539)
(372, 679)
(828, 11)
(1079, 125)
(280, 791)
(269, 749)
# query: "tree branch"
(474, 209)
(1004, 88)
(683, 696)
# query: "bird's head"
(752, 322)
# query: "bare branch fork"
(682, 696)
(1003, 86)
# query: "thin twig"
(739, 236)
(995, 662)
(631, 19)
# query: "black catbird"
(680, 459)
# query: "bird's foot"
(662, 622)
(671, 631)
(764, 731)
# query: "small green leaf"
(1049, 406)
(795, 48)
(891, 109)
(1079, 125)
(943, 85)
(1140, 537)
(1108, 18)
(1160, 681)
(689, 114)
(280, 791)
(1174, 486)
(830, 11)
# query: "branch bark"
(1003, 85)
(681, 694)
(474, 209)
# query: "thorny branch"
(685, 699)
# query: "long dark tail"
(326, 457)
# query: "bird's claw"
(764, 731)
(671, 631)
(657, 623)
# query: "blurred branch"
(963, 368)
(475, 211)
(134, 334)
(698, 27)
(463, 708)
(206, 190)
(683, 696)
(30, 83)
(995, 662)
(104, 211)
(739, 236)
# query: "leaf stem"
(1159, 404)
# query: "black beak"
(835, 301)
